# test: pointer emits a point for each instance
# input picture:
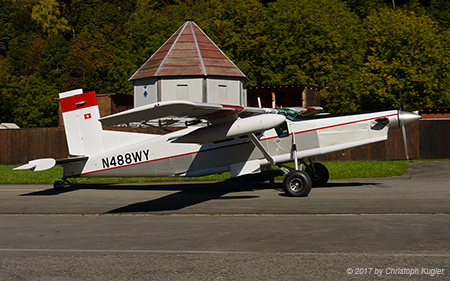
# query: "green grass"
(338, 170)
(8, 176)
(365, 169)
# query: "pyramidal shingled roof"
(188, 52)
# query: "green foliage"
(7, 13)
(31, 102)
(361, 53)
(404, 52)
(88, 61)
(46, 13)
(366, 169)
(311, 47)
(363, 8)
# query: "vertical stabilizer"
(81, 122)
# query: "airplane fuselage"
(143, 155)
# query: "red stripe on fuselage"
(236, 144)
(343, 124)
(80, 101)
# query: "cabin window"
(282, 130)
(288, 113)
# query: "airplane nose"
(402, 118)
(406, 117)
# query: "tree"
(46, 13)
(53, 56)
(33, 58)
(21, 31)
(119, 70)
(5, 74)
(7, 13)
(148, 28)
(31, 102)
(363, 8)
(88, 60)
(404, 52)
(316, 43)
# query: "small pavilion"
(189, 66)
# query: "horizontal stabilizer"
(38, 165)
(47, 163)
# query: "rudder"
(81, 122)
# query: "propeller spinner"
(400, 121)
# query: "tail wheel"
(320, 177)
(60, 185)
(297, 184)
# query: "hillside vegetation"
(361, 53)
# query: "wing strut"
(261, 148)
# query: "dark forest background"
(361, 53)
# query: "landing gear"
(60, 185)
(297, 183)
(299, 180)
(318, 173)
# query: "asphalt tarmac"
(361, 229)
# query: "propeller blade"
(405, 140)
(405, 118)
(402, 124)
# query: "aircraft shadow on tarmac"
(188, 194)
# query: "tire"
(58, 185)
(322, 175)
(297, 184)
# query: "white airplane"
(218, 138)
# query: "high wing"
(307, 111)
(293, 113)
(179, 110)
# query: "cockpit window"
(289, 113)
(282, 130)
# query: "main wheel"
(297, 184)
(321, 177)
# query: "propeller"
(404, 118)
(403, 125)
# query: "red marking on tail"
(78, 102)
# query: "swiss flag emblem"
(87, 116)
